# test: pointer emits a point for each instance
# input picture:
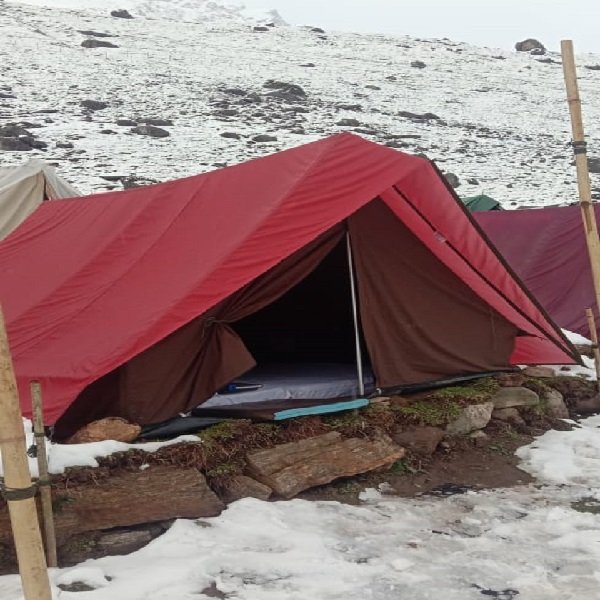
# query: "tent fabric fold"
(89, 284)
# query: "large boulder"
(509, 415)
(509, 397)
(471, 418)
(530, 44)
(14, 145)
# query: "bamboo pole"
(583, 177)
(17, 483)
(589, 313)
(44, 477)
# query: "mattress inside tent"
(296, 382)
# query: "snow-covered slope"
(499, 120)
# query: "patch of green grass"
(434, 412)
(228, 469)
(402, 467)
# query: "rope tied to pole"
(579, 147)
(16, 494)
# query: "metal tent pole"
(359, 368)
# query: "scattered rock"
(586, 406)
(418, 64)
(284, 91)
(530, 44)
(538, 372)
(110, 428)
(6, 96)
(538, 52)
(76, 586)
(151, 131)
(308, 65)
(420, 440)
(64, 145)
(472, 417)
(36, 144)
(126, 123)
(510, 415)
(212, 591)
(594, 165)
(92, 43)
(93, 104)
(472, 181)
(14, 145)
(317, 30)
(121, 14)
(479, 438)
(91, 33)
(352, 107)
(12, 130)
(372, 87)
(592, 67)
(291, 468)
(260, 28)
(348, 123)
(555, 405)
(231, 134)
(241, 486)
(508, 397)
(264, 138)
(516, 379)
(418, 117)
(452, 179)
(133, 182)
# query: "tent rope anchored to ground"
(143, 303)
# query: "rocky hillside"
(184, 87)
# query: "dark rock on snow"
(121, 14)
(126, 123)
(264, 138)
(452, 179)
(14, 131)
(231, 134)
(592, 67)
(259, 28)
(13, 145)
(530, 44)
(91, 33)
(93, 104)
(418, 64)
(418, 117)
(91, 43)
(289, 88)
(151, 131)
(594, 165)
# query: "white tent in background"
(24, 188)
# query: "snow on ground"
(526, 543)
(503, 123)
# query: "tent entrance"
(305, 341)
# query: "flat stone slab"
(241, 486)
(509, 397)
(289, 469)
(538, 372)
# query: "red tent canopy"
(547, 249)
(87, 284)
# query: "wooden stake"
(44, 478)
(589, 313)
(17, 482)
(583, 177)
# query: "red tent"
(547, 249)
(139, 291)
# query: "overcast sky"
(484, 22)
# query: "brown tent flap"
(420, 321)
(187, 367)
